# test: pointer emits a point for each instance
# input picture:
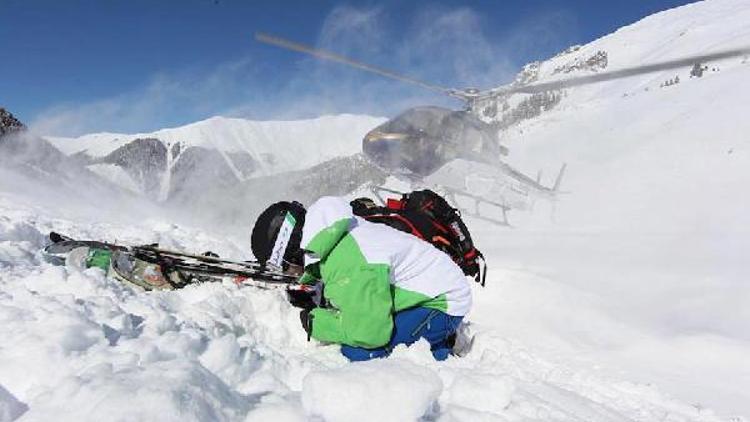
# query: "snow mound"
(80, 346)
(376, 390)
(176, 391)
(486, 393)
(10, 407)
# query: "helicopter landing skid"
(451, 194)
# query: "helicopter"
(456, 152)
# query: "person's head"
(277, 235)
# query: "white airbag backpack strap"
(282, 241)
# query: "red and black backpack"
(428, 216)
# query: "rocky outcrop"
(160, 171)
(530, 107)
(596, 62)
(29, 159)
(505, 111)
(199, 169)
(8, 123)
(144, 160)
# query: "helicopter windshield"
(423, 139)
(476, 137)
(418, 120)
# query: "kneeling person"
(382, 287)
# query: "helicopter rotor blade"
(621, 73)
(327, 55)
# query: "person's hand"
(300, 297)
(305, 296)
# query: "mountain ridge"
(223, 150)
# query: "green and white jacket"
(371, 271)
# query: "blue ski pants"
(409, 326)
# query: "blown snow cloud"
(191, 95)
(448, 46)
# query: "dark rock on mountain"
(502, 113)
(144, 160)
(33, 160)
(532, 106)
(192, 169)
(8, 123)
(596, 62)
(198, 169)
(243, 162)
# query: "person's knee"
(441, 353)
(437, 327)
(358, 354)
(442, 335)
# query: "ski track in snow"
(79, 346)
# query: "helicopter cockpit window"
(397, 126)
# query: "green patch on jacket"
(360, 294)
(362, 297)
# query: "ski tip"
(56, 237)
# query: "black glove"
(306, 296)
(300, 296)
(306, 319)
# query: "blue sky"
(77, 66)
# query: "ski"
(151, 267)
(209, 264)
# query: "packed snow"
(654, 233)
(78, 345)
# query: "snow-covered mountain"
(691, 30)
(240, 203)
(630, 306)
(216, 152)
(654, 229)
